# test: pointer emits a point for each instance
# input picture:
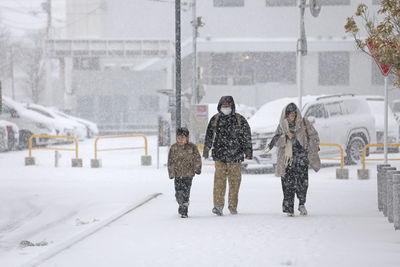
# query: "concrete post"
(29, 161)
(389, 200)
(396, 201)
(385, 174)
(363, 174)
(379, 184)
(342, 173)
(146, 160)
(77, 163)
(95, 163)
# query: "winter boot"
(233, 211)
(303, 211)
(290, 214)
(184, 216)
(180, 209)
(217, 210)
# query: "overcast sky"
(21, 16)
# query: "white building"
(246, 49)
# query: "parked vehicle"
(28, 122)
(376, 104)
(339, 119)
(9, 136)
(66, 127)
(91, 127)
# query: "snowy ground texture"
(57, 206)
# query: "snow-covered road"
(42, 203)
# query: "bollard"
(389, 201)
(95, 163)
(146, 160)
(29, 161)
(396, 201)
(385, 172)
(77, 163)
(363, 174)
(342, 173)
(57, 156)
(379, 184)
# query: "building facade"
(247, 48)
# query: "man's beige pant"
(232, 171)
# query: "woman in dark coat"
(298, 144)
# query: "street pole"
(178, 61)
(385, 145)
(194, 41)
(12, 73)
(301, 51)
(48, 89)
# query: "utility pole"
(12, 72)
(194, 42)
(315, 9)
(196, 23)
(178, 62)
(48, 90)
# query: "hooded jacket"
(232, 140)
(306, 135)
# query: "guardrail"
(341, 153)
(121, 148)
(52, 148)
(375, 145)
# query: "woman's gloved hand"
(266, 150)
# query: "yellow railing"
(53, 148)
(375, 145)
(341, 153)
(121, 148)
(201, 148)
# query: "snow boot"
(184, 215)
(217, 210)
(290, 214)
(303, 211)
(233, 211)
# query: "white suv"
(339, 119)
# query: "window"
(275, 67)
(219, 68)
(105, 109)
(248, 68)
(376, 2)
(334, 109)
(281, 2)
(334, 68)
(334, 2)
(85, 106)
(148, 103)
(228, 3)
(316, 111)
(91, 63)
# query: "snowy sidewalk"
(42, 203)
(343, 229)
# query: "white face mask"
(226, 111)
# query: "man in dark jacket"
(229, 136)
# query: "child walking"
(184, 162)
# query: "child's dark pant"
(182, 191)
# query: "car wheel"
(354, 150)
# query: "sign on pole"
(385, 69)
